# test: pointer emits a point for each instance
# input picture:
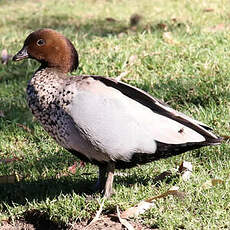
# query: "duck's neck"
(44, 87)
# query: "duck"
(101, 120)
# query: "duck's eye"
(40, 42)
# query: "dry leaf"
(163, 26)
(219, 27)
(188, 29)
(5, 56)
(120, 174)
(122, 34)
(185, 165)
(132, 59)
(82, 164)
(110, 20)
(211, 183)
(123, 221)
(142, 206)
(155, 53)
(11, 179)
(167, 37)
(59, 175)
(96, 218)
(186, 175)
(185, 169)
(122, 75)
(135, 19)
(162, 176)
(72, 169)
(172, 191)
(216, 182)
(208, 10)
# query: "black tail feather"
(164, 151)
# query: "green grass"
(191, 74)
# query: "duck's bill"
(22, 54)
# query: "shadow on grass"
(177, 92)
(41, 220)
(41, 189)
(94, 26)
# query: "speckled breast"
(48, 100)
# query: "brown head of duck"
(51, 49)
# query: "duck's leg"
(99, 186)
(108, 190)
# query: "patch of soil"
(104, 223)
(17, 225)
(33, 220)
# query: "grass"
(190, 71)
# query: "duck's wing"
(115, 121)
(161, 108)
